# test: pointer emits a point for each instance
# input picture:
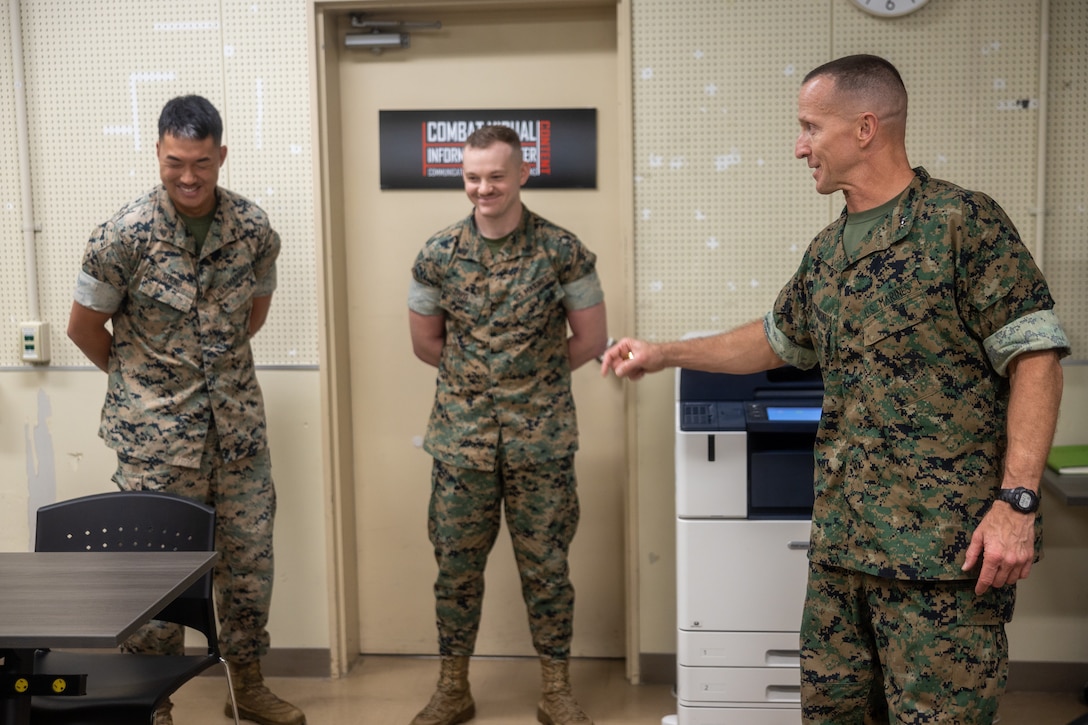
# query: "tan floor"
(390, 690)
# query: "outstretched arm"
(741, 350)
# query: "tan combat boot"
(256, 702)
(162, 714)
(451, 702)
(558, 706)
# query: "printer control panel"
(785, 416)
(711, 415)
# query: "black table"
(82, 600)
(1071, 489)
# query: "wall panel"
(93, 109)
(267, 87)
(973, 110)
(1065, 254)
(723, 209)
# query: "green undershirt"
(198, 226)
(496, 244)
(859, 224)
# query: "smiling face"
(828, 140)
(493, 178)
(189, 170)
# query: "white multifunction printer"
(744, 492)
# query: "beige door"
(499, 59)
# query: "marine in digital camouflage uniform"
(185, 274)
(492, 315)
(938, 345)
(909, 451)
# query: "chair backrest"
(138, 521)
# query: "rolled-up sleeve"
(800, 357)
(1030, 333)
(96, 294)
(583, 292)
(423, 299)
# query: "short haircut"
(867, 76)
(191, 117)
(484, 136)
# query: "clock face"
(889, 8)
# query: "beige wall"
(50, 448)
(714, 86)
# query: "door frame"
(338, 463)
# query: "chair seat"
(119, 685)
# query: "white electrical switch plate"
(34, 341)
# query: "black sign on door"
(422, 149)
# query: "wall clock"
(889, 8)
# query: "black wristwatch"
(1022, 499)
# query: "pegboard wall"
(724, 210)
(1066, 244)
(93, 109)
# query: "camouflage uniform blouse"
(504, 375)
(914, 336)
(181, 359)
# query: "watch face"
(889, 8)
(1022, 499)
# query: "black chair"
(126, 689)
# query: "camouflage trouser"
(541, 505)
(244, 499)
(876, 650)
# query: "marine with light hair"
(490, 302)
(939, 348)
